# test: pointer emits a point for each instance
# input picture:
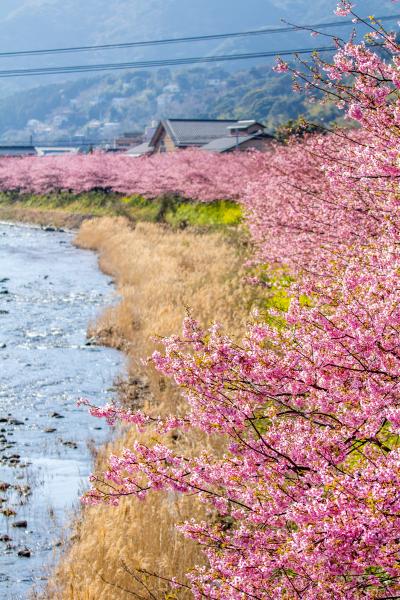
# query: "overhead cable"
(150, 64)
(190, 39)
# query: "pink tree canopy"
(306, 495)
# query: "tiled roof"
(231, 142)
(226, 143)
(140, 150)
(196, 132)
(245, 125)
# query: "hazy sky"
(36, 24)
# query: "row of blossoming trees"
(308, 491)
(193, 174)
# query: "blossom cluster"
(305, 499)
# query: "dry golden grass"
(158, 273)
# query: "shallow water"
(49, 291)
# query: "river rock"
(70, 444)
(50, 430)
(56, 415)
(24, 553)
(15, 422)
(23, 490)
(20, 524)
(5, 538)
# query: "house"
(17, 151)
(215, 135)
(172, 134)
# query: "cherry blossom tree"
(304, 502)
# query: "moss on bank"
(171, 210)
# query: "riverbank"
(158, 273)
(70, 210)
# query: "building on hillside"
(214, 135)
(9, 150)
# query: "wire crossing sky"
(201, 38)
(162, 63)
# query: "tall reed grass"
(159, 274)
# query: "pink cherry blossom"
(305, 497)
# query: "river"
(49, 292)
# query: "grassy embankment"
(70, 210)
(158, 271)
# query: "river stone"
(20, 524)
(24, 553)
(15, 422)
(70, 444)
(23, 490)
(5, 538)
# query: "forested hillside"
(100, 108)
(60, 106)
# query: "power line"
(200, 38)
(161, 63)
